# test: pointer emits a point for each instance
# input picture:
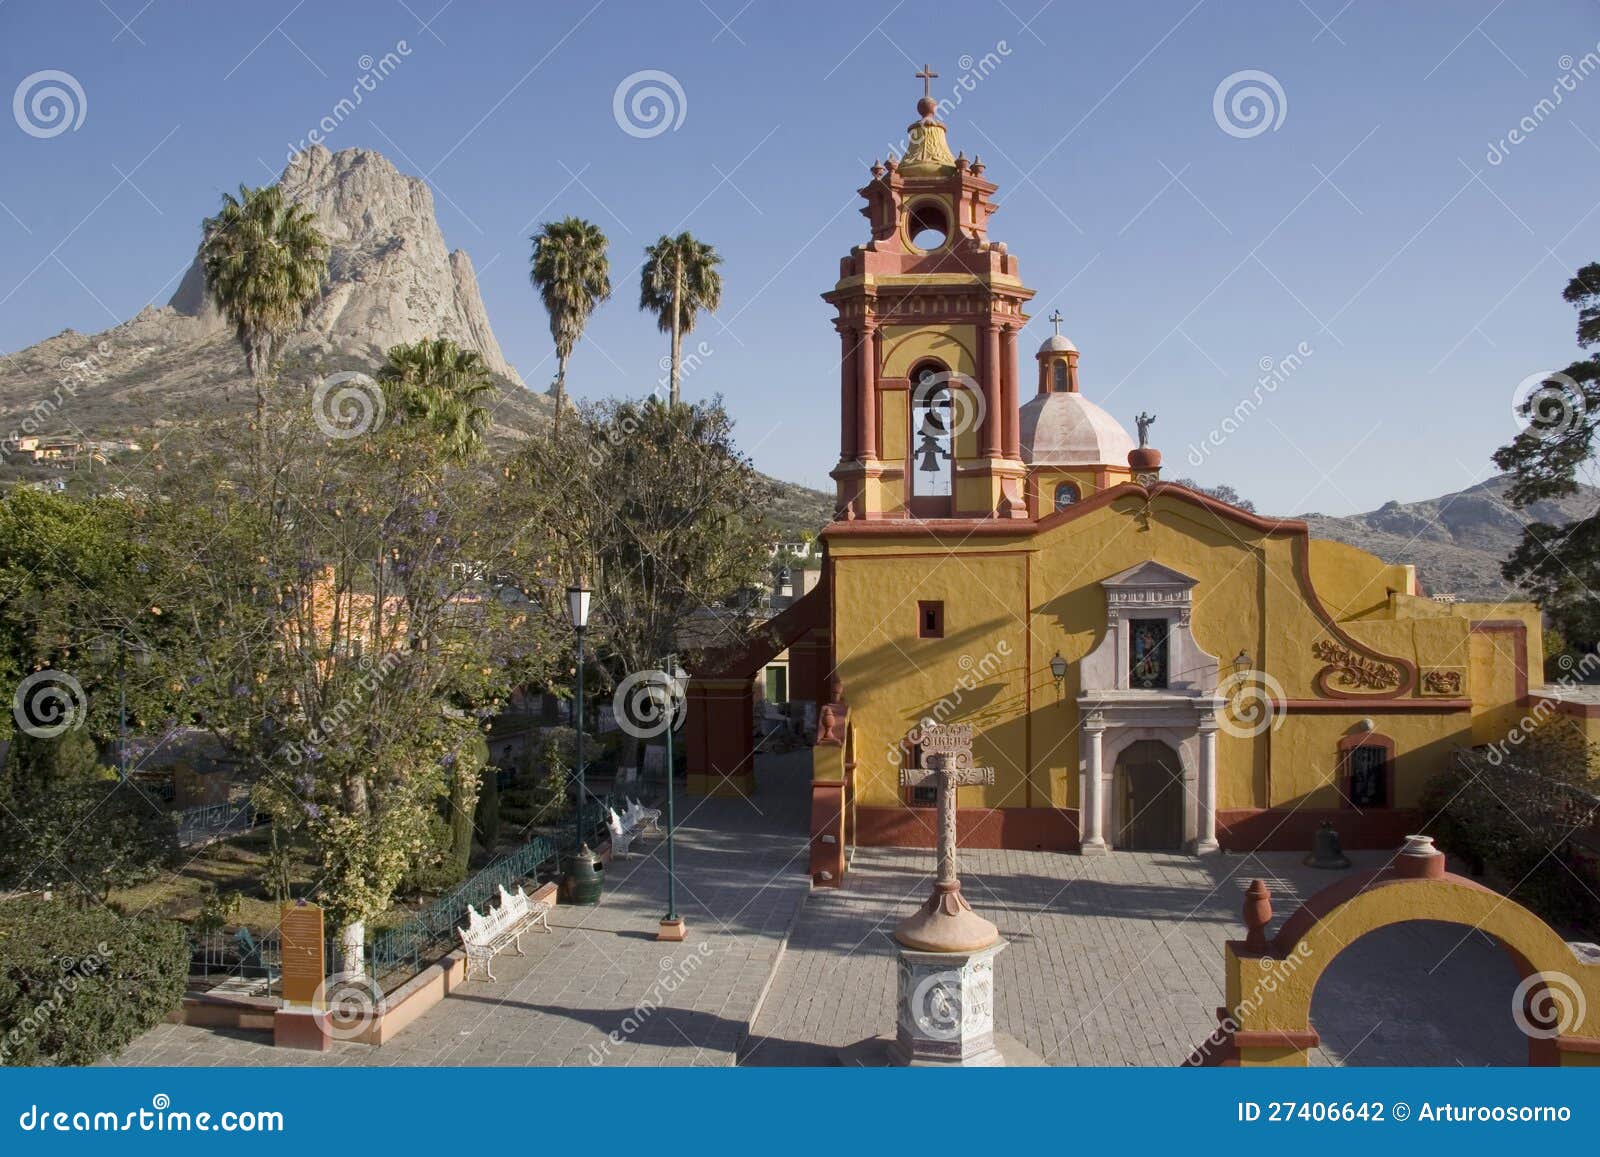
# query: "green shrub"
(1521, 816)
(77, 984)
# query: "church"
(1143, 666)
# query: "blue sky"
(1368, 224)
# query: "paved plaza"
(1112, 961)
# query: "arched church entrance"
(1149, 786)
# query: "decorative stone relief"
(1441, 681)
(1352, 668)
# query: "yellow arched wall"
(1040, 593)
(1272, 993)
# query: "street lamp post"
(583, 879)
(672, 926)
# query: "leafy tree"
(264, 261)
(1560, 565)
(662, 512)
(468, 769)
(1222, 493)
(572, 273)
(70, 825)
(437, 385)
(365, 641)
(679, 280)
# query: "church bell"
(1325, 851)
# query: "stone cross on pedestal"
(945, 922)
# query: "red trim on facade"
(1294, 829)
(1374, 706)
(1020, 828)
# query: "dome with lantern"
(1061, 427)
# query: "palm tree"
(570, 270)
(437, 385)
(264, 261)
(680, 279)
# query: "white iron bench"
(622, 833)
(499, 928)
(642, 817)
(629, 826)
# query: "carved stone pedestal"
(945, 1015)
(945, 1008)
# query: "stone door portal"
(1149, 778)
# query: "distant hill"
(1457, 541)
(391, 279)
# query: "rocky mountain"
(391, 279)
(1457, 541)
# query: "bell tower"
(928, 312)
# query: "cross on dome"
(1056, 319)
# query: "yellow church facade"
(1143, 665)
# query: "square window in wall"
(930, 620)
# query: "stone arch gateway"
(1270, 982)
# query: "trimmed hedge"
(77, 984)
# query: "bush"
(1537, 832)
(86, 834)
(77, 984)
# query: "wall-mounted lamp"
(1058, 671)
(1241, 662)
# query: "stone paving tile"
(1112, 961)
(1117, 960)
(742, 874)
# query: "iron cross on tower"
(1056, 319)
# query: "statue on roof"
(1144, 421)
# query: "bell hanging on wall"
(1325, 850)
